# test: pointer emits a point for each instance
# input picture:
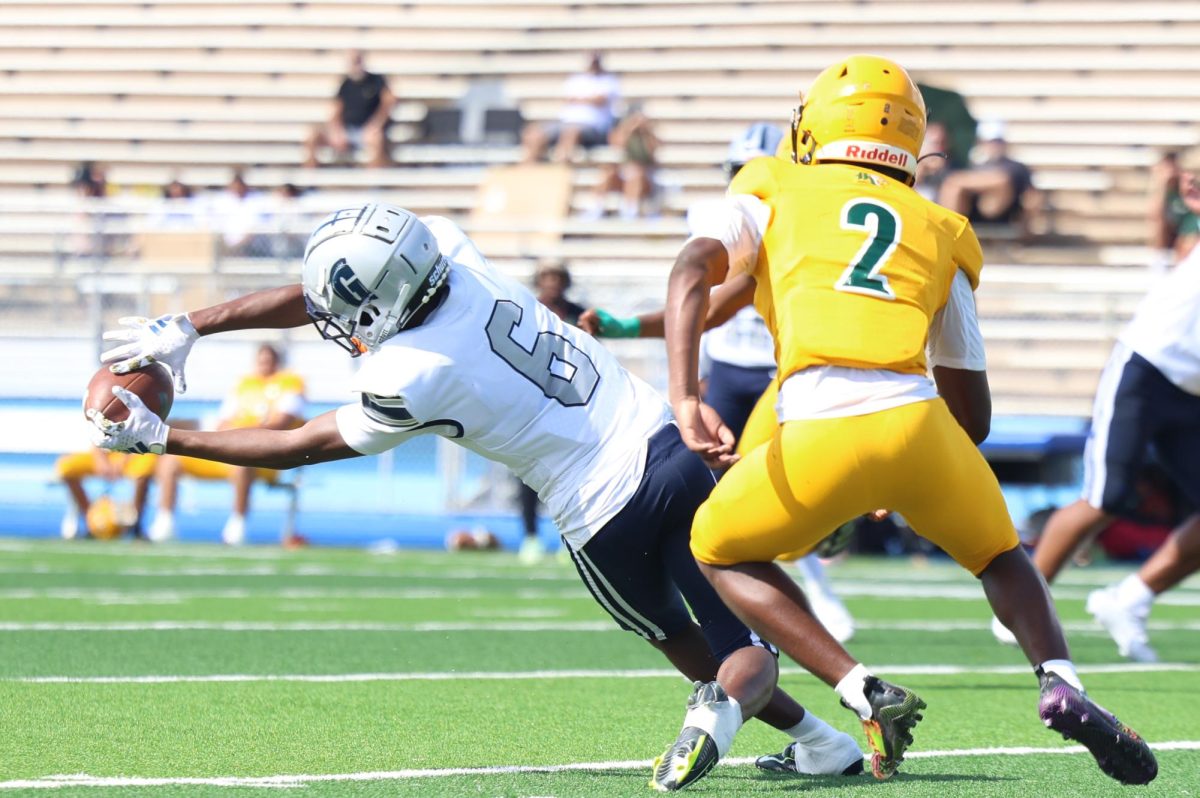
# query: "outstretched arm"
(726, 299)
(168, 339)
(270, 309)
(318, 441)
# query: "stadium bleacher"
(161, 88)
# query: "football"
(153, 384)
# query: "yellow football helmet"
(104, 520)
(863, 109)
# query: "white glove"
(167, 340)
(142, 432)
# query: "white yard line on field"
(309, 626)
(644, 673)
(505, 622)
(94, 594)
(296, 780)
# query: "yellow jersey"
(255, 399)
(853, 265)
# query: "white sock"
(810, 730)
(813, 571)
(853, 691)
(1063, 669)
(720, 720)
(1133, 592)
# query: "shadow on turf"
(788, 782)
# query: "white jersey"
(744, 340)
(497, 372)
(1166, 328)
(739, 223)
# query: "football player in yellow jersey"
(856, 275)
(269, 397)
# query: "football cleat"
(694, 752)
(1118, 750)
(837, 756)
(532, 551)
(1126, 625)
(895, 711)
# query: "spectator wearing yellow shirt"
(73, 468)
(270, 397)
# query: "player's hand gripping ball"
(127, 411)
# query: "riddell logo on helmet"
(877, 155)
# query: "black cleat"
(839, 758)
(1118, 750)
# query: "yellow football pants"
(763, 421)
(812, 476)
(199, 468)
(78, 465)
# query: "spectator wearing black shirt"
(997, 189)
(359, 117)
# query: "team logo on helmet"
(347, 286)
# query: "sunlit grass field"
(190, 670)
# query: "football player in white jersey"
(1148, 397)
(459, 350)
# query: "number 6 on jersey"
(865, 275)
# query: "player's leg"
(949, 495)
(139, 468)
(744, 684)
(1066, 530)
(242, 481)
(773, 503)
(167, 473)
(1123, 609)
(532, 549)
(1112, 460)
(1176, 560)
(72, 469)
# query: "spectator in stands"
(551, 281)
(633, 178)
(91, 180)
(290, 226)
(359, 117)
(936, 161)
(72, 469)
(997, 189)
(1174, 228)
(270, 397)
(585, 120)
(241, 217)
(91, 237)
(178, 210)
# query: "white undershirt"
(739, 222)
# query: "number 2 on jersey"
(562, 370)
(865, 274)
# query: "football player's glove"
(167, 340)
(142, 432)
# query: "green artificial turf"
(476, 628)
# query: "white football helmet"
(367, 271)
(756, 141)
